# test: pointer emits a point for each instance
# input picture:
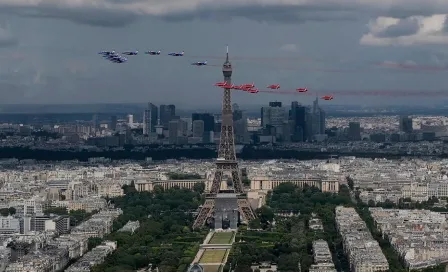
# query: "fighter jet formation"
(112, 56)
(250, 88)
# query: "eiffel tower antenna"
(226, 161)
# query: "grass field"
(213, 256)
(221, 238)
(211, 268)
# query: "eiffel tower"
(226, 161)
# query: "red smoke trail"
(389, 93)
(411, 66)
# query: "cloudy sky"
(48, 49)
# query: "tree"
(164, 237)
(94, 242)
(350, 183)
(4, 212)
(266, 216)
(12, 210)
(199, 187)
(129, 189)
(255, 223)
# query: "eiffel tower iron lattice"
(226, 161)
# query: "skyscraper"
(354, 131)
(167, 113)
(154, 116)
(198, 128)
(173, 131)
(273, 118)
(317, 119)
(406, 124)
(240, 125)
(113, 122)
(95, 123)
(146, 122)
(299, 117)
(209, 124)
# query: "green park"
(166, 240)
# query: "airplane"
(107, 53)
(245, 88)
(118, 59)
(249, 85)
(274, 86)
(174, 54)
(199, 63)
(130, 53)
(220, 84)
(153, 52)
(253, 91)
(237, 87)
(327, 97)
(227, 86)
(302, 90)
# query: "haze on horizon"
(49, 51)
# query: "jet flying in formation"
(130, 53)
(174, 54)
(274, 86)
(302, 90)
(200, 63)
(118, 59)
(153, 52)
(327, 97)
(253, 91)
(220, 84)
(248, 85)
(107, 53)
(228, 86)
(112, 56)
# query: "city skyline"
(50, 53)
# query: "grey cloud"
(282, 14)
(94, 17)
(404, 27)
(123, 12)
(7, 39)
(445, 25)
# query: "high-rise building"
(240, 125)
(95, 123)
(167, 113)
(154, 116)
(146, 122)
(173, 131)
(113, 122)
(317, 119)
(406, 124)
(198, 128)
(299, 117)
(273, 118)
(354, 131)
(209, 125)
(130, 120)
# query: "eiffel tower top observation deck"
(227, 68)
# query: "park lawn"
(221, 238)
(213, 256)
(211, 268)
